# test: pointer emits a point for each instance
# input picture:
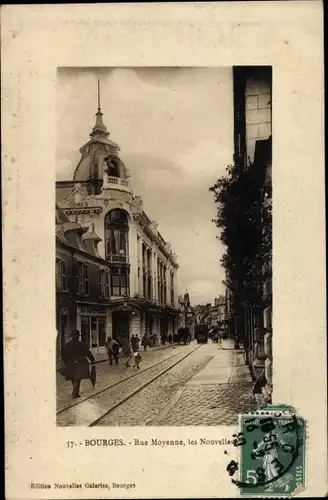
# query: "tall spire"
(99, 128)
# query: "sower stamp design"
(272, 452)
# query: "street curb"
(249, 368)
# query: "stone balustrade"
(110, 182)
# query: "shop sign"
(90, 311)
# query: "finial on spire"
(98, 94)
(99, 127)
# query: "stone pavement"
(216, 394)
(210, 387)
(95, 410)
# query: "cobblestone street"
(210, 387)
(109, 375)
(177, 386)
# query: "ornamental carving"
(154, 227)
(168, 247)
(136, 204)
(77, 197)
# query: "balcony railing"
(116, 180)
(117, 258)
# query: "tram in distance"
(201, 333)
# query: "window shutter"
(99, 283)
(58, 274)
(64, 280)
(107, 284)
(76, 274)
(86, 279)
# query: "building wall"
(137, 236)
(258, 112)
(74, 309)
(65, 302)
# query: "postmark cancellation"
(271, 444)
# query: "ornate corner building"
(141, 285)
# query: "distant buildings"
(203, 313)
(215, 315)
(139, 284)
(219, 312)
(187, 314)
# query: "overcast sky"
(175, 130)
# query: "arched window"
(113, 168)
(117, 236)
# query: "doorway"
(121, 324)
(93, 332)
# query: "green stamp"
(272, 452)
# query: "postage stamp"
(272, 452)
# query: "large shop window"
(120, 280)
(117, 236)
(61, 281)
(93, 331)
(82, 278)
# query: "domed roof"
(94, 152)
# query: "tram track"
(135, 374)
(94, 408)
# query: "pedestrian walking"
(112, 350)
(137, 359)
(137, 341)
(133, 342)
(144, 342)
(75, 355)
(127, 349)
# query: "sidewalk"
(227, 367)
(217, 394)
(101, 357)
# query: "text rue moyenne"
(181, 442)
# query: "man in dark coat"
(75, 355)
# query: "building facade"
(187, 314)
(82, 285)
(253, 141)
(142, 288)
(218, 312)
(203, 313)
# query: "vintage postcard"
(164, 250)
